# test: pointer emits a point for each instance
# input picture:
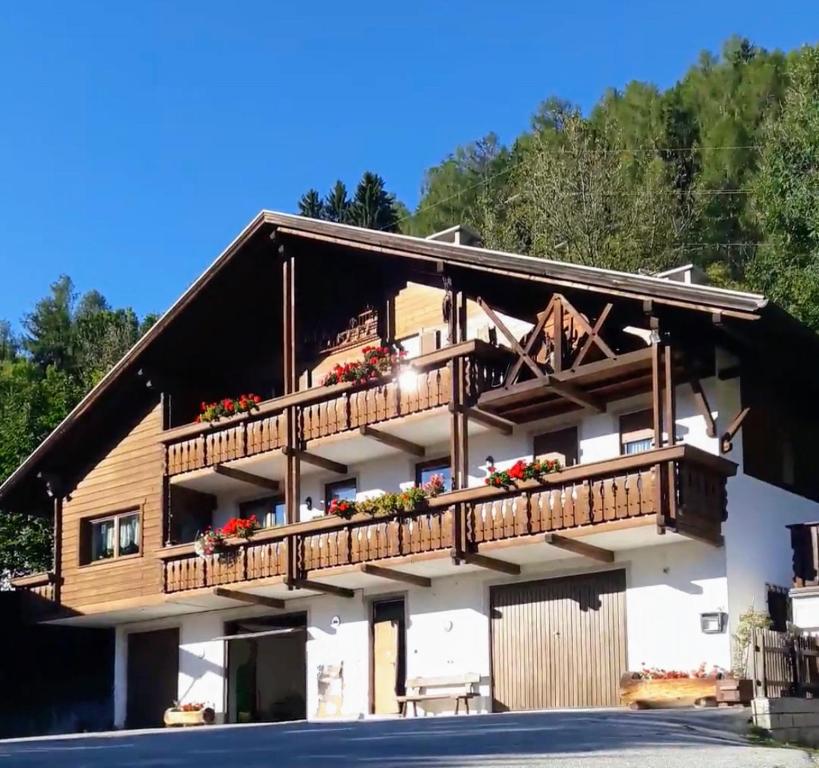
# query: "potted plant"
(183, 715)
(209, 542)
(739, 688)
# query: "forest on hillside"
(721, 170)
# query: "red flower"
(257, 399)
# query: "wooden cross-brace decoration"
(526, 355)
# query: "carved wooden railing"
(459, 522)
(40, 584)
(324, 411)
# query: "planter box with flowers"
(182, 715)
(653, 688)
(227, 408)
(386, 504)
(376, 363)
(213, 541)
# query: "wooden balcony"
(324, 411)
(42, 585)
(681, 488)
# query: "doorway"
(388, 654)
(267, 669)
(153, 676)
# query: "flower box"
(181, 718)
(735, 691)
(638, 693)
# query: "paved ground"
(613, 739)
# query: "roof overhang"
(554, 273)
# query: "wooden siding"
(129, 476)
(559, 642)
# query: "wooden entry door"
(388, 643)
(558, 642)
(153, 676)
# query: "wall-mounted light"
(713, 623)
(490, 461)
(308, 502)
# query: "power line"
(625, 150)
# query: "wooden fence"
(784, 664)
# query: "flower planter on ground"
(666, 694)
(180, 718)
(735, 691)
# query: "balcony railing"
(40, 584)
(324, 411)
(682, 487)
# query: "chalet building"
(674, 424)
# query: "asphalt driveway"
(589, 739)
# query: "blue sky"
(138, 138)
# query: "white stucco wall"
(668, 586)
(805, 604)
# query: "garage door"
(558, 642)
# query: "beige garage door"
(558, 642)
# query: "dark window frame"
(329, 488)
(273, 499)
(444, 462)
(558, 431)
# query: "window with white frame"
(106, 538)
(636, 432)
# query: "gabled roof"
(556, 273)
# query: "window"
(636, 432)
(560, 444)
(270, 511)
(110, 537)
(426, 469)
(342, 490)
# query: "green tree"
(25, 544)
(311, 205)
(372, 206)
(337, 204)
(49, 328)
(786, 267)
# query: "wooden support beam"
(731, 430)
(593, 338)
(247, 597)
(389, 573)
(492, 563)
(318, 586)
(703, 407)
(574, 394)
(246, 477)
(510, 337)
(579, 547)
(504, 426)
(407, 446)
(315, 460)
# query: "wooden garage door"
(559, 642)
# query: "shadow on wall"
(53, 679)
(195, 667)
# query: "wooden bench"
(418, 689)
